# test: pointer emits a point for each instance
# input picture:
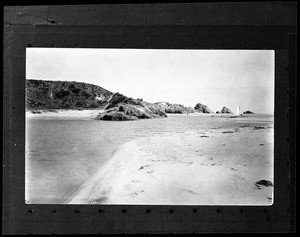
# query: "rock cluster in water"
(202, 108)
(225, 110)
(248, 112)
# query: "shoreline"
(219, 173)
(92, 113)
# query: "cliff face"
(42, 94)
(202, 109)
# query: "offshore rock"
(202, 108)
(248, 112)
(225, 110)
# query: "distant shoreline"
(81, 113)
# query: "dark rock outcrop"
(248, 112)
(202, 108)
(41, 94)
(122, 108)
(225, 110)
(115, 116)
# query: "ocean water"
(61, 154)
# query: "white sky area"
(215, 78)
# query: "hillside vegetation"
(42, 94)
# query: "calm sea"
(62, 154)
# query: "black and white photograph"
(149, 126)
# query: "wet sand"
(215, 166)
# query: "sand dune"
(204, 167)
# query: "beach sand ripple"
(206, 167)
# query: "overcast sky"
(215, 78)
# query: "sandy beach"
(216, 165)
(202, 167)
(63, 114)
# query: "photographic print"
(149, 126)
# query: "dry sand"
(63, 114)
(207, 167)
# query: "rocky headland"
(49, 96)
(43, 96)
(123, 108)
